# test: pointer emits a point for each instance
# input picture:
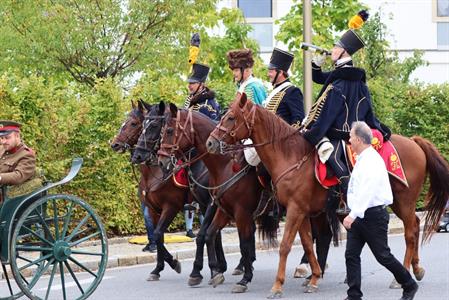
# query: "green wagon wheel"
(59, 249)
(11, 291)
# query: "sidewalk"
(121, 253)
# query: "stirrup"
(194, 206)
(343, 208)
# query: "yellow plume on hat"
(357, 21)
(194, 48)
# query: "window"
(256, 8)
(259, 14)
(443, 34)
(440, 10)
(263, 33)
(440, 13)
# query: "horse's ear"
(146, 105)
(133, 104)
(161, 108)
(173, 110)
(243, 100)
(140, 104)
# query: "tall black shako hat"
(6, 127)
(351, 42)
(280, 60)
(199, 73)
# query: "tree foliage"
(101, 38)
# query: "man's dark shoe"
(190, 234)
(409, 293)
(150, 248)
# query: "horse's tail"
(438, 194)
(268, 224)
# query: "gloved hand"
(318, 59)
(325, 149)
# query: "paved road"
(129, 282)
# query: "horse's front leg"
(195, 277)
(246, 228)
(162, 253)
(220, 220)
(293, 221)
(305, 232)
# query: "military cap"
(6, 127)
(241, 58)
(199, 73)
(351, 42)
(280, 60)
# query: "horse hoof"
(301, 271)
(237, 272)
(395, 285)
(238, 288)
(309, 289)
(153, 277)
(177, 266)
(217, 279)
(194, 281)
(275, 295)
(210, 282)
(420, 274)
(306, 282)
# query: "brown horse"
(286, 155)
(163, 198)
(235, 192)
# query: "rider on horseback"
(343, 99)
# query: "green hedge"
(65, 120)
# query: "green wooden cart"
(53, 245)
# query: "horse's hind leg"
(411, 235)
(418, 271)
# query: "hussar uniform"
(286, 100)
(344, 99)
(203, 100)
(252, 86)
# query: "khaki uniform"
(17, 166)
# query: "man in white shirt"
(369, 193)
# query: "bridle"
(128, 137)
(248, 122)
(150, 145)
(171, 150)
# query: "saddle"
(387, 151)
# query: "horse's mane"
(282, 135)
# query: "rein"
(180, 131)
(226, 148)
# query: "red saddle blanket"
(180, 178)
(386, 150)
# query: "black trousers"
(372, 230)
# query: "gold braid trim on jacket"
(275, 101)
(315, 111)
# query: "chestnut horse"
(236, 196)
(164, 199)
(290, 160)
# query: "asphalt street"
(130, 283)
